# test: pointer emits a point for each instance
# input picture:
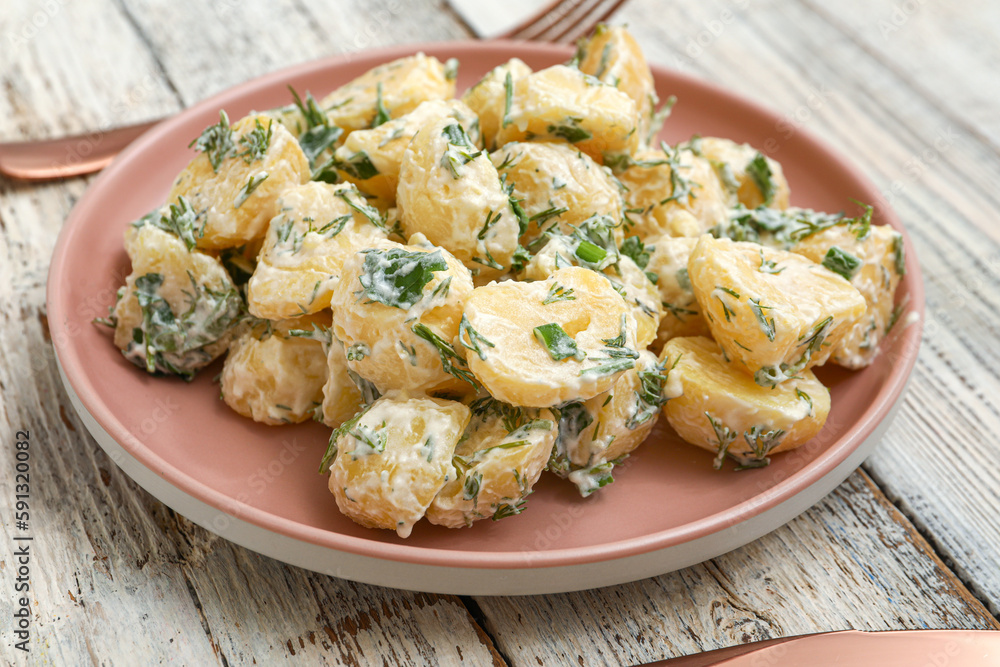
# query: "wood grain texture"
(71, 67)
(117, 575)
(940, 460)
(849, 562)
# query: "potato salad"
(475, 291)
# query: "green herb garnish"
(357, 166)
(180, 220)
(397, 277)
(766, 323)
(460, 149)
(508, 98)
(451, 361)
(570, 131)
(841, 262)
(216, 141)
(248, 189)
(899, 255)
(465, 331)
(639, 252)
(557, 342)
(255, 142)
(381, 113)
(724, 437)
(760, 171)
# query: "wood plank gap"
(148, 43)
(920, 90)
(201, 615)
(481, 623)
(446, 8)
(924, 537)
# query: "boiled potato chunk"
(547, 342)
(392, 89)
(625, 277)
(721, 409)
(613, 56)
(557, 185)
(775, 313)
(178, 308)
(564, 103)
(234, 183)
(450, 192)
(756, 179)
(397, 310)
(317, 228)
(488, 97)
(673, 191)
(668, 260)
(371, 158)
(273, 374)
(500, 457)
(392, 459)
(345, 392)
(874, 263)
(596, 434)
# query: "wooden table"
(907, 89)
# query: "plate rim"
(813, 471)
(553, 579)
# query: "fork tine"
(564, 21)
(572, 12)
(542, 20)
(588, 22)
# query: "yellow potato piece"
(673, 191)
(487, 98)
(345, 392)
(451, 193)
(502, 454)
(557, 185)
(613, 56)
(394, 458)
(202, 300)
(668, 260)
(401, 85)
(317, 228)
(382, 305)
(370, 158)
(717, 407)
(564, 103)
(625, 276)
(755, 179)
(235, 201)
(273, 376)
(518, 368)
(775, 313)
(596, 434)
(880, 266)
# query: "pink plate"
(258, 486)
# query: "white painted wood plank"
(209, 47)
(961, 79)
(158, 566)
(940, 459)
(847, 563)
(116, 577)
(71, 67)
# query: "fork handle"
(70, 156)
